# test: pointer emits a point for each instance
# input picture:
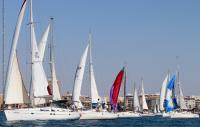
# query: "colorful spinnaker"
(114, 92)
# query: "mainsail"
(163, 92)
(170, 103)
(15, 91)
(39, 80)
(78, 79)
(54, 81)
(94, 92)
(144, 102)
(114, 91)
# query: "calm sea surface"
(155, 121)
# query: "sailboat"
(170, 102)
(181, 111)
(96, 112)
(143, 102)
(136, 104)
(125, 113)
(39, 83)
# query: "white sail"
(43, 42)
(55, 86)
(181, 101)
(78, 80)
(136, 104)
(163, 92)
(144, 103)
(94, 92)
(54, 81)
(39, 80)
(15, 91)
(179, 93)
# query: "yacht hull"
(93, 115)
(128, 115)
(47, 113)
(183, 115)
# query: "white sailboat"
(95, 113)
(143, 103)
(182, 111)
(39, 83)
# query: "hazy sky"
(147, 35)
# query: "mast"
(134, 89)
(90, 63)
(3, 46)
(124, 88)
(31, 37)
(95, 98)
(51, 60)
(50, 48)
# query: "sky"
(149, 37)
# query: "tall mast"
(31, 92)
(124, 88)
(134, 89)
(90, 63)
(51, 55)
(3, 46)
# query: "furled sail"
(163, 92)
(15, 91)
(94, 92)
(78, 79)
(114, 91)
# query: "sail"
(114, 91)
(39, 80)
(78, 79)
(170, 103)
(163, 92)
(15, 91)
(54, 81)
(144, 102)
(43, 42)
(136, 104)
(94, 92)
(56, 89)
(181, 99)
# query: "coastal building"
(190, 102)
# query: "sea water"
(155, 121)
